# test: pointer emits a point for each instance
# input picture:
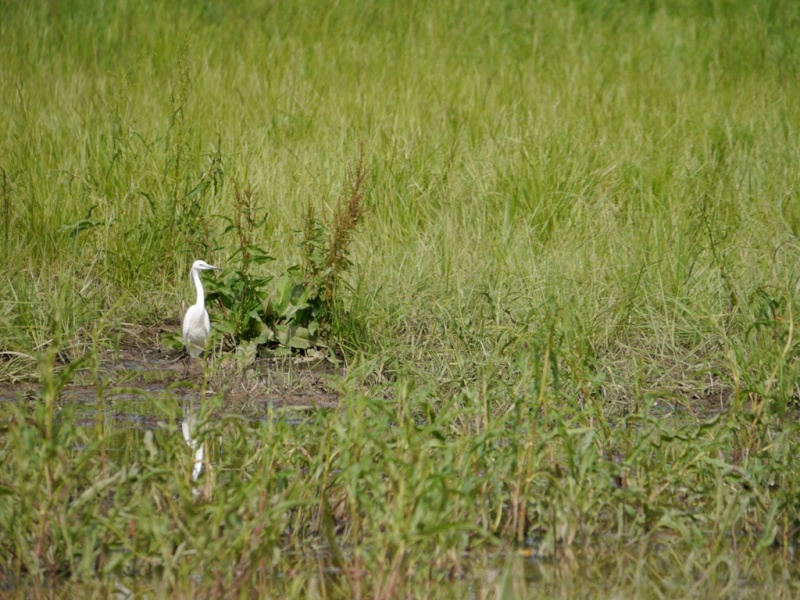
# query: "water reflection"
(189, 435)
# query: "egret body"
(196, 325)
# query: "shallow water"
(133, 379)
(140, 388)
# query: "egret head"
(201, 265)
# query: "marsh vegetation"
(509, 303)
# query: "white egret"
(196, 325)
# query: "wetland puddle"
(133, 381)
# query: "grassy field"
(567, 322)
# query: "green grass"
(569, 320)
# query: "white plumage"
(196, 324)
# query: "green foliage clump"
(290, 312)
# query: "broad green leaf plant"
(277, 315)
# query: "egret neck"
(199, 285)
